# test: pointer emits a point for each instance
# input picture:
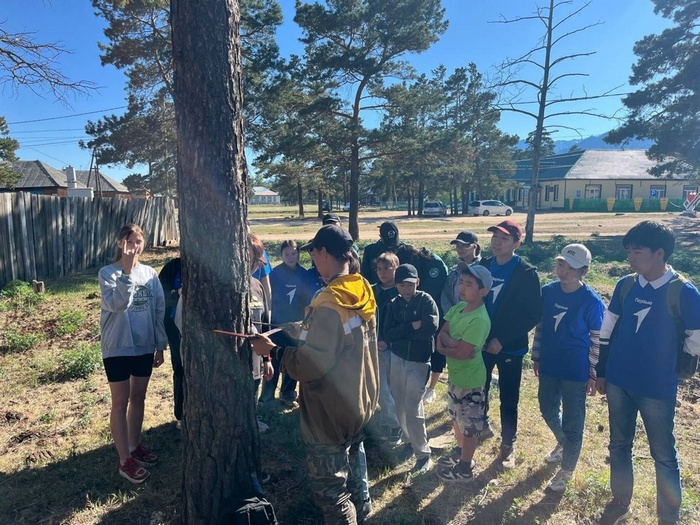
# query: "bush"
(80, 362)
(20, 342)
(19, 295)
(69, 322)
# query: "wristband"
(276, 350)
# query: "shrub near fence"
(47, 236)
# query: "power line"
(66, 116)
(48, 130)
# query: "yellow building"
(600, 180)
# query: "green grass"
(58, 464)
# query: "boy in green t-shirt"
(461, 340)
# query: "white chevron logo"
(496, 290)
(558, 319)
(641, 314)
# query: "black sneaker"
(614, 513)
(451, 459)
(422, 466)
(461, 472)
(394, 437)
(507, 457)
(403, 451)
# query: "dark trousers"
(178, 372)
(510, 370)
(288, 390)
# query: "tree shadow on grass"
(90, 483)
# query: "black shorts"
(123, 367)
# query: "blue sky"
(49, 131)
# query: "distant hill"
(594, 142)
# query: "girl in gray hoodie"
(133, 340)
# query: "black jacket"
(519, 310)
(405, 253)
(404, 341)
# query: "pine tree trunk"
(221, 447)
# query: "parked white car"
(488, 208)
(435, 208)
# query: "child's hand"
(416, 324)
(600, 385)
(591, 389)
(268, 370)
(494, 347)
(158, 358)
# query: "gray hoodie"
(133, 308)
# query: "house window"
(689, 189)
(623, 192)
(657, 191)
(547, 189)
(592, 191)
(556, 192)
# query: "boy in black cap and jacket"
(515, 307)
(410, 324)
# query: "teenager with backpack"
(642, 342)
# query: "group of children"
(488, 308)
(500, 302)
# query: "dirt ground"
(572, 225)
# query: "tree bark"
(220, 439)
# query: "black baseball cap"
(331, 218)
(406, 273)
(389, 233)
(465, 237)
(336, 240)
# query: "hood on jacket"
(351, 292)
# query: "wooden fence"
(46, 236)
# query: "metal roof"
(589, 165)
(106, 183)
(36, 174)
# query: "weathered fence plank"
(48, 236)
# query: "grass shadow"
(57, 491)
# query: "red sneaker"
(144, 456)
(133, 471)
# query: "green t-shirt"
(472, 327)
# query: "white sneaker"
(429, 395)
(555, 455)
(559, 481)
(263, 427)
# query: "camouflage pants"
(335, 474)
